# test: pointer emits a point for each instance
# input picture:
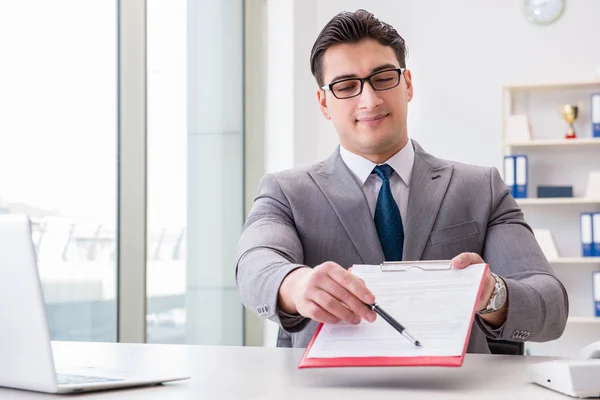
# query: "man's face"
(372, 124)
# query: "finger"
(465, 259)
(361, 279)
(334, 307)
(357, 306)
(353, 284)
(488, 289)
(315, 312)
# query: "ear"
(409, 85)
(323, 103)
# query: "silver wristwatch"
(498, 297)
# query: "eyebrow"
(374, 70)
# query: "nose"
(369, 99)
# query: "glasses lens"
(385, 80)
(347, 88)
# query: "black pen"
(395, 324)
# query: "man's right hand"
(326, 293)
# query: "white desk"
(271, 373)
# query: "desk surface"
(272, 373)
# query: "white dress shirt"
(401, 162)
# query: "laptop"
(26, 359)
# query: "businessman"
(381, 197)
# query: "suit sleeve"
(537, 301)
(268, 250)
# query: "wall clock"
(544, 12)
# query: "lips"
(372, 120)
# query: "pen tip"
(418, 343)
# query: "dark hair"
(353, 27)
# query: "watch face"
(500, 298)
(544, 11)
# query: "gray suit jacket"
(306, 216)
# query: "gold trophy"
(570, 112)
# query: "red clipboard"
(424, 361)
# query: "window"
(195, 170)
(58, 153)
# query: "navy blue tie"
(387, 217)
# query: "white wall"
(460, 54)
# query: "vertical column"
(255, 78)
(215, 170)
(131, 298)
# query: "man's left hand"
(497, 318)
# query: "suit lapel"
(428, 184)
(350, 205)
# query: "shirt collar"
(361, 168)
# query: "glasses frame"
(329, 87)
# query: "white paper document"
(435, 303)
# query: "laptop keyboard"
(69, 379)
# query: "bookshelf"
(557, 201)
(555, 143)
(584, 320)
(554, 160)
(575, 261)
(545, 86)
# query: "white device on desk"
(577, 378)
(26, 359)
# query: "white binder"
(586, 234)
(521, 176)
(595, 114)
(596, 290)
(509, 175)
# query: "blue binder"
(521, 176)
(509, 174)
(586, 231)
(595, 114)
(596, 234)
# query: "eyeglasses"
(352, 87)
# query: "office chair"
(506, 347)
